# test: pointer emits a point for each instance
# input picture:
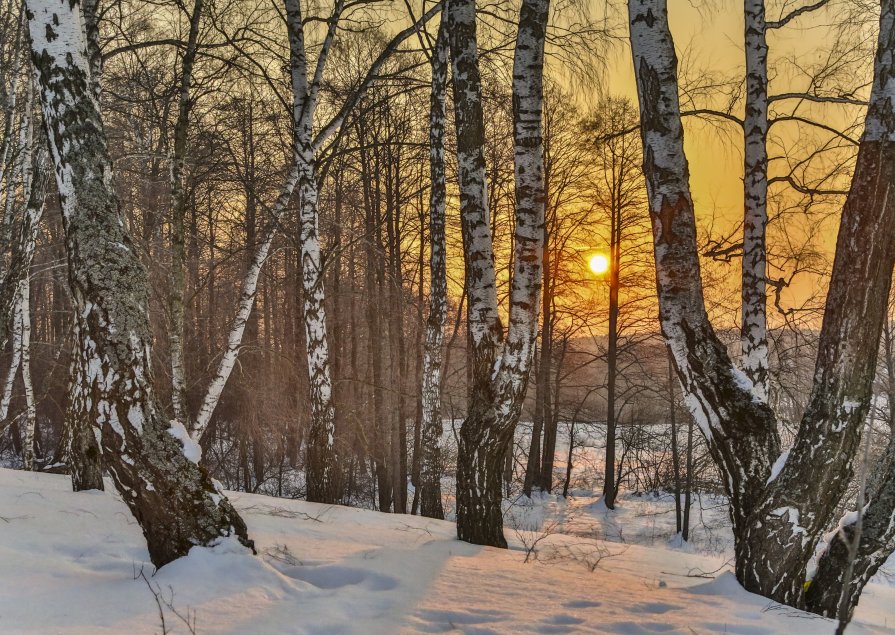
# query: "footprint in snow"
(655, 607)
(581, 604)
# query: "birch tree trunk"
(499, 370)
(778, 513)
(178, 214)
(16, 283)
(23, 253)
(321, 464)
(431, 428)
(171, 497)
(30, 407)
(753, 331)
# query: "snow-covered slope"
(70, 564)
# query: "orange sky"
(710, 36)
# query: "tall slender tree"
(430, 461)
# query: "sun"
(599, 264)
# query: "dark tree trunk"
(610, 484)
(675, 448)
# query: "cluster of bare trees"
(265, 292)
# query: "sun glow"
(599, 264)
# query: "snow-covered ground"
(71, 563)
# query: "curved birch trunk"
(430, 422)
(777, 515)
(499, 370)
(171, 497)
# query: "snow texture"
(70, 562)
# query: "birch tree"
(152, 462)
(754, 328)
(780, 502)
(430, 461)
(307, 143)
(178, 212)
(499, 368)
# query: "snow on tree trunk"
(178, 212)
(777, 515)
(498, 377)
(152, 462)
(430, 421)
(753, 331)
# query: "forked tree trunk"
(431, 428)
(498, 370)
(777, 515)
(171, 497)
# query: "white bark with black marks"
(172, 498)
(430, 421)
(499, 370)
(754, 329)
(321, 465)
